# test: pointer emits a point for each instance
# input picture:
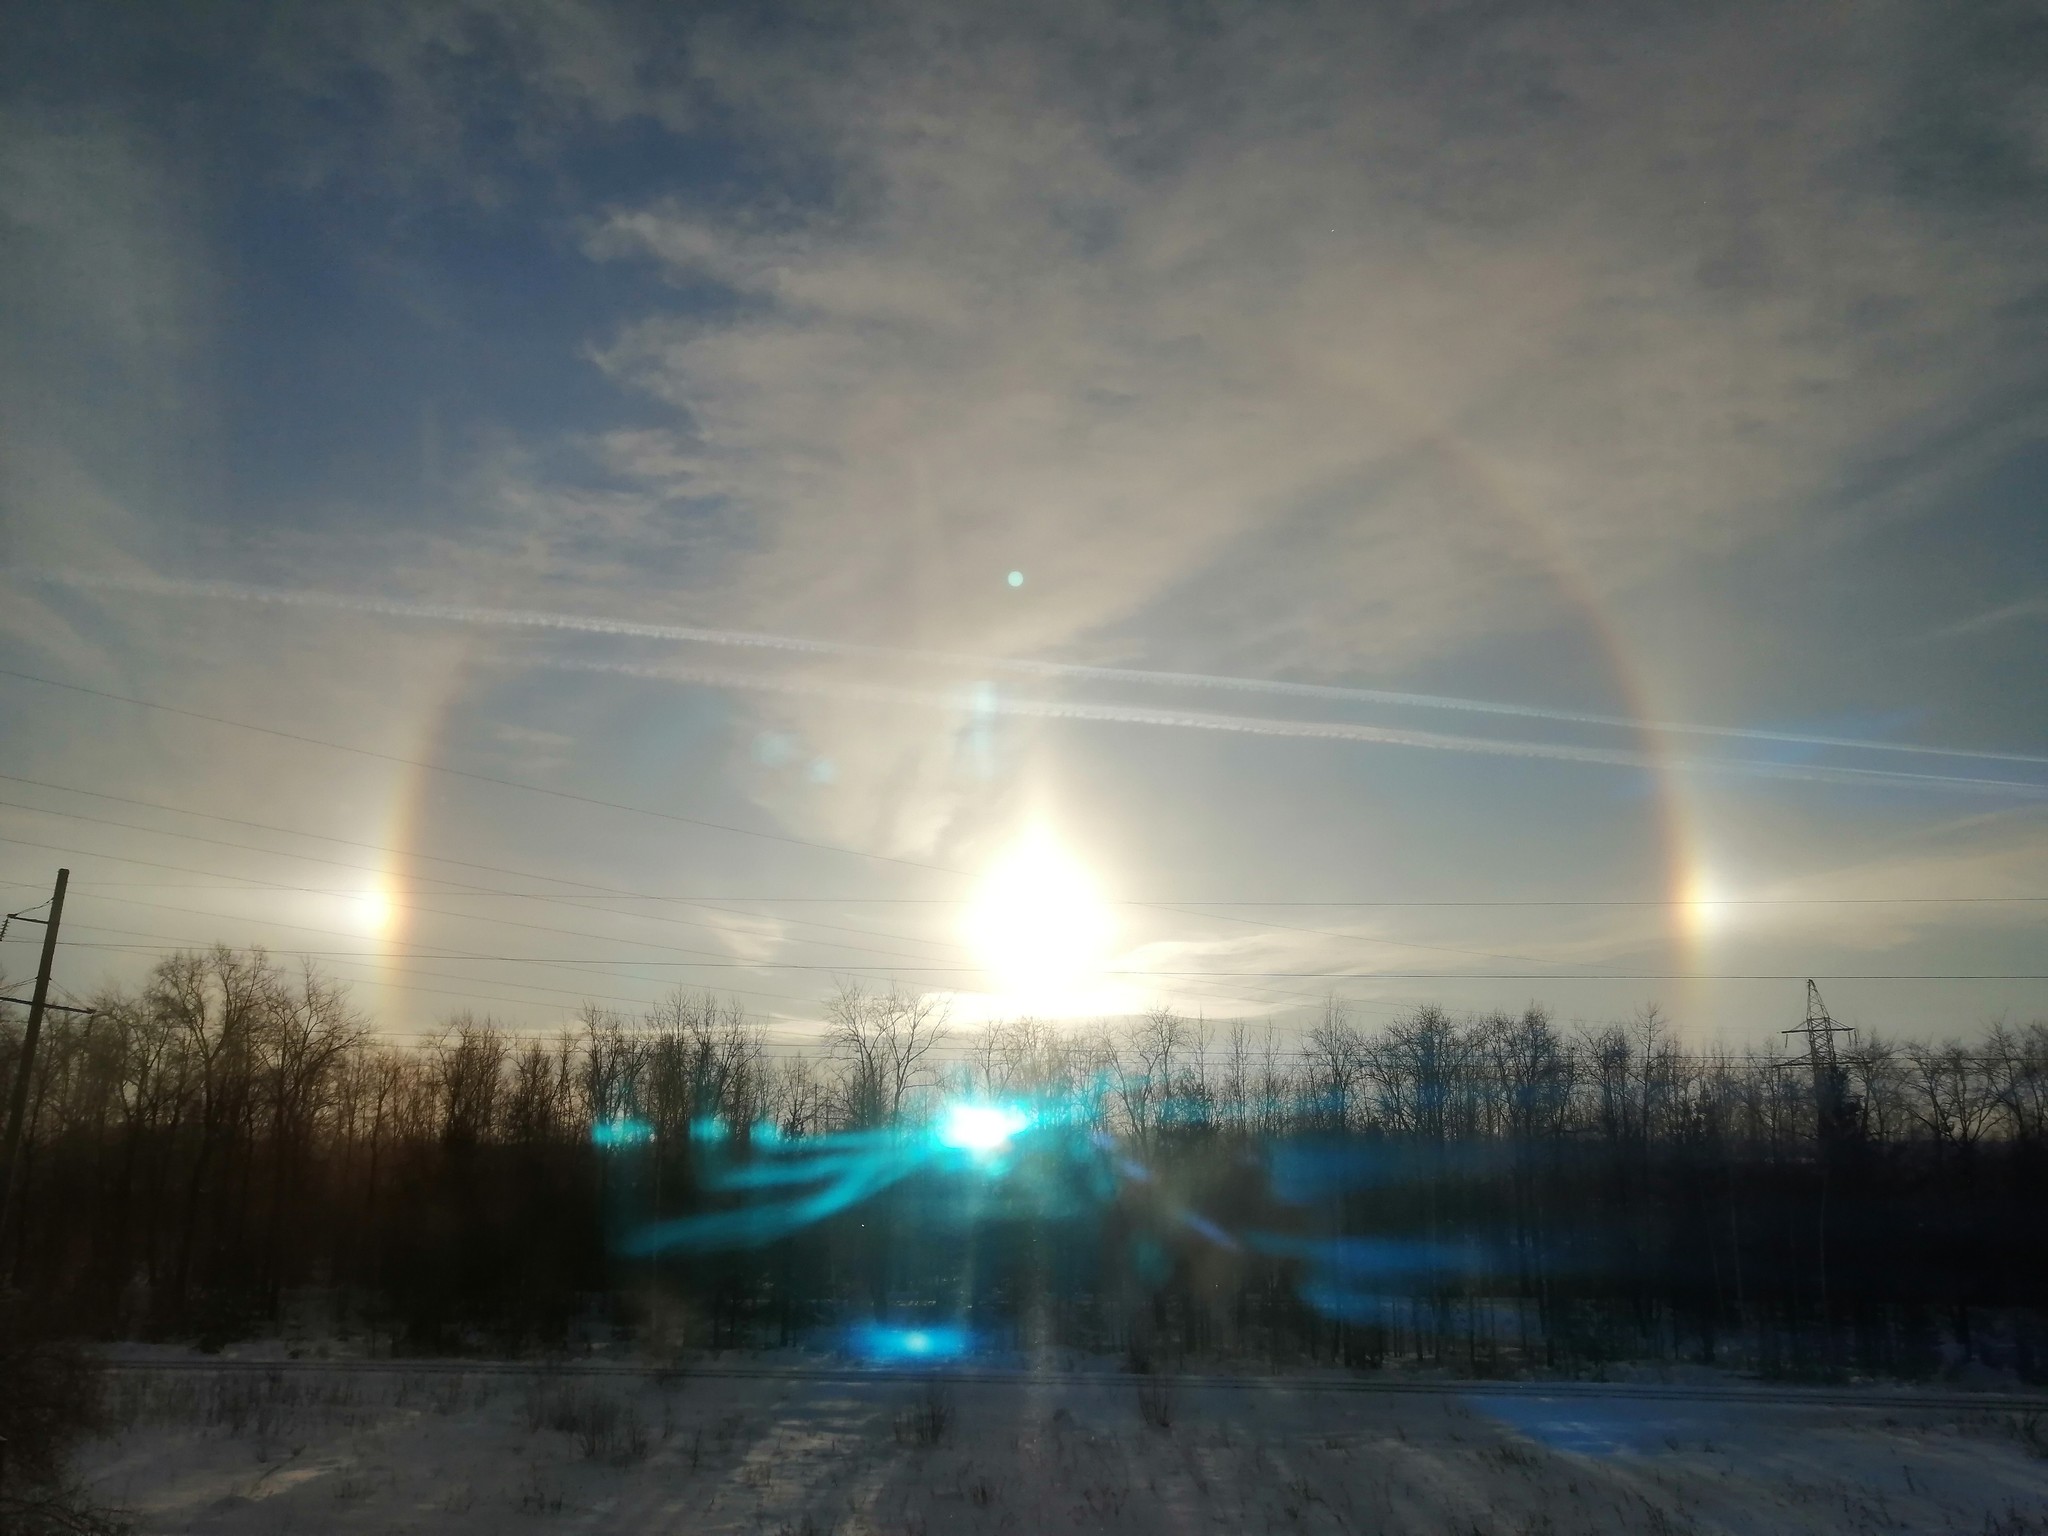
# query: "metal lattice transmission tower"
(1834, 1110)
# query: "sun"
(1703, 908)
(372, 911)
(1038, 922)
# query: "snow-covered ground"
(359, 1449)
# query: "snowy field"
(350, 1448)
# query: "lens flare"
(888, 1345)
(980, 1127)
(621, 1132)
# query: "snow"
(356, 1447)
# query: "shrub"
(927, 1421)
(1156, 1402)
(52, 1399)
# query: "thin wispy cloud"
(2026, 609)
(969, 704)
(1055, 670)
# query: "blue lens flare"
(891, 1344)
(776, 1185)
(621, 1133)
(833, 1173)
(980, 1127)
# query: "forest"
(233, 1150)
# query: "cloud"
(1023, 666)
(1995, 618)
(1408, 334)
(1979, 874)
(453, 102)
(968, 703)
(1331, 342)
(983, 699)
(107, 305)
(1330, 357)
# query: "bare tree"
(2016, 1065)
(798, 1104)
(309, 1031)
(1335, 1055)
(1419, 1071)
(882, 1040)
(469, 1074)
(217, 1001)
(1952, 1100)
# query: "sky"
(1074, 507)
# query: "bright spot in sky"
(980, 1127)
(371, 911)
(1705, 907)
(1016, 578)
(1037, 922)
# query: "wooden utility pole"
(24, 1065)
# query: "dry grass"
(52, 1395)
(1157, 1402)
(604, 1427)
(927, 1421)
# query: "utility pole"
(1834, 1122)
(1831, 1104)
(24, 1065)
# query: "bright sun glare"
(980, 1127)
(1038, 923)
(1704, 909)
(372, 911)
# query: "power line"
(618, 892)
(386, 962)
(791, 965)
(563, 794)
(470, 992)
(559, 899)
(383, 957)
(870, 933)
(463, 917)
(1027, 666)
(411, 855)
(429, 766)
(901, 938)
(1622, 901)
(430, 952)
(430, 911)
(1360, 938)
(468, 917)
(1229, 975)
(964, 1044)
(1176, 903)
(484, 778)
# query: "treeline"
(232, 1143)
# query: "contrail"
(989, 701)
(505, 618)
